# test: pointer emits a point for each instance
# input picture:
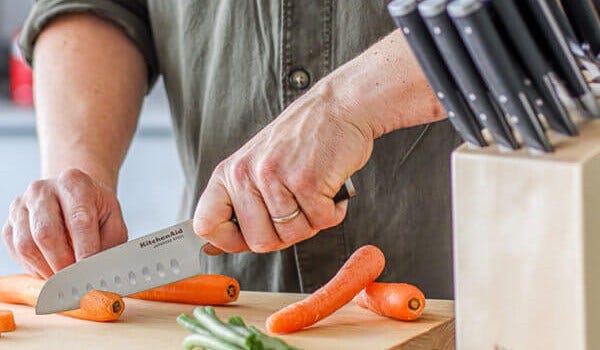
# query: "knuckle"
(24, 246)
(202, 225)
(15, 205)
(302, 182)
(43, 233)
(238, 170)
(36, 188)
(81, 217)
(71, 176)
(266, 171)
(6, 231)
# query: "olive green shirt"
(230, 67)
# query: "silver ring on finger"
(286, 218)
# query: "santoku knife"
(166, 256)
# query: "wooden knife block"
(527, 246)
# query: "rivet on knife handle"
(498, 70)
(406, 16)
(464, 72)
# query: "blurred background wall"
(151, 178)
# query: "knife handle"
(562, 59)
(534, 63)
(346, 192)
(586, 24)
(497, 68)
(464, 72)
(406, 16)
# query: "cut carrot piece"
(401, 301)
(198, 290)
(7, 321)
(94, 306)
(362, 268)
(98, 306)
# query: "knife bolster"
(527, 245)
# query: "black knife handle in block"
(565, 26)
(585, 22)
(406, 16)
(562, 58)
(534, 63)
(346, 192)
(464, 72)
(497, 68)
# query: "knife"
(541, 74)
(464, 72)
(549, 32)
(406, 16)
(584, 20)
(498, 69)
(162, 257)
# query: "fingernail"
(210, 249)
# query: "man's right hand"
(59, 221)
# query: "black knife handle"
(537, 67)
(497, 68)
(584, 19)
(346, 192)
(565, 26)
(585, 22)
(464, 72)
(406, 16)
(563, 59)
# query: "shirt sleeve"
(130, 15)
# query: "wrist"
(345, 106)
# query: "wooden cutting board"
(151, 325)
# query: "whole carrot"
(401, 301)
(198, 290)
(94, 306)
(362, 268)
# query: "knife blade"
(406, 16)
(538, 68)
(464, 72)
(156, 259)
(498, 70)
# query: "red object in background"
(21, 77)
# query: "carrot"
(98, 306)
(198, 290)
(7, 321)
(401, 301)
(362, 268)
(94, 306)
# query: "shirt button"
(299, 79)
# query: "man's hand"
(59, 221)
(300, 161)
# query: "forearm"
(384, 89)
(90, 80)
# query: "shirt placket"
(306, 58)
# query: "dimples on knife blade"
(162, 257)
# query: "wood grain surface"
(151, 325)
